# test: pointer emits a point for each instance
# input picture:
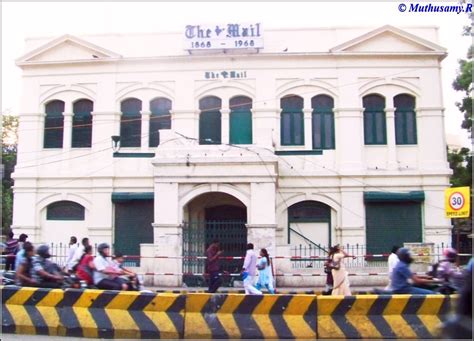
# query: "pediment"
(65, 49)
(389, 39)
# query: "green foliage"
(460, 161)
(9, 150)
(463, 82)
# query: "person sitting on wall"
(402, 276)
(23, 272)
(44, 271)
(106, 275)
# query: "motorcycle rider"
(106, 276)
(447, 271)
(44, 272)
(402, 274)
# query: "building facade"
(302, 137)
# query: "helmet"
(43, 251)
(450, 254)
(102, 246)
(404, 255)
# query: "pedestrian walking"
(70, 261)
(213, 266)
(392, 262)
(249, 271)
(328, 272)
(11, 250)
(20, 256)
(265, 275)
(340, 276)
(78, 254)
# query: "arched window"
(291, 121)
(65, 210)
(405, 119)
(130, 123)
(54, 124)
(323, 122)
(160, 119)
(82, 124)
(210, 120)
(240, 120)
(309, 222)
(375, 127)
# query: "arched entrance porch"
(208, 217)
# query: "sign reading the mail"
(230, 36)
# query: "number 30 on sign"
(457, 202)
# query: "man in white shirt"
(106, 275)
(392, 262)
(70, 253)
(249, 271)
(79, 252)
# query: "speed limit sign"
(457, 202)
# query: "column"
(146, 130)
(225, 126)
(261, 227)
(67, 132)
(352, 229)
(104, 125)
(167, 234)
(350, 139)
(308, 131)
(391, 140)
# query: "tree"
(9, 150)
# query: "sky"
(23, 19)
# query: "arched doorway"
(208, 217)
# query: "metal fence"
(313, 256)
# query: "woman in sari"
(341, 285)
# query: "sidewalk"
(282, 290)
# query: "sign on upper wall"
(223, 37)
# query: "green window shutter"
(291, 121)
(392, 223)
(323, 122)
(405, 119)
(240, 124)
(240, 127)
(133, 227)
(82, 124)
(65, 210)
(375, 125)
(54, 125)
(210, 120)
(130, 123)
(210, 127)
(160, 119)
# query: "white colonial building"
(285, 137)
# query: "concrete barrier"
(250, 317)
(381, 317)
(111, 314)
(31, 311)
(92, 313)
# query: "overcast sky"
(23, 19)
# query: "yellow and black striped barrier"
(250, 317)
(92, 313)
(112, 314)
(381, 317)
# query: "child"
(129, 276)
